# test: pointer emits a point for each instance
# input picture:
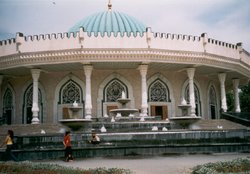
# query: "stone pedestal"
(184, 109)
(75, 111)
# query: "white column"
(88, 100)
(144, 105)
(190, 72)
(236, 95)
(1, 102)
(222, 78)
(35, 108)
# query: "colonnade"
(144, 104)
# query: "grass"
(39, 168)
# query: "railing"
(241, 118)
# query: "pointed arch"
(212, 101)
(28, 100)
(158, 91)
(197, 93)
(8, 105)
(160, 98)
(111, 89)
(68, 90)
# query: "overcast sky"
(224, 20)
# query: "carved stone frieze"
(95, 55)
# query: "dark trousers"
(68, 153)
(95, 142)
(9, 154)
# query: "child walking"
(9, 145)
(67, 147)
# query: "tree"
(230, 101)
(245, 98)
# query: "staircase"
(44, 141)
(217, 125)
(31, 129)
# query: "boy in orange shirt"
(67, 147)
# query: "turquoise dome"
(110, 21)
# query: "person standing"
(9, 145)
(67, 147)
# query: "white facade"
(42, 75)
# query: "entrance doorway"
(162, 111)
(212, 112)
(29, 115)
(8, 116)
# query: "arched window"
(28, 100)
(70, 92)
(212, 103)
(158, 92)
(8, 99)
(197, 99)
(7, 106)
(113, 90)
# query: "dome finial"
(109, 5)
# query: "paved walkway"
(173, 164)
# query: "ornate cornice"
(125, 55)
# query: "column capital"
(143, 69)
(87, 69)
(35, 73)
(236, 82)
(190, 72)
(222, 77)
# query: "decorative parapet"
(81, 36)
(239, 47)
(222, 48)
(204, 40)
(149, 36)
(244, 55)
(176, 42)
(19, 41)
(162, 41)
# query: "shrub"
(237, 166)
(39, 168)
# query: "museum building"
(110, 53)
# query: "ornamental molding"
(124, 55)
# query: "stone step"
(32, 129)
(36, 129)
(130, 126)
(141, 143)
(217, 124)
